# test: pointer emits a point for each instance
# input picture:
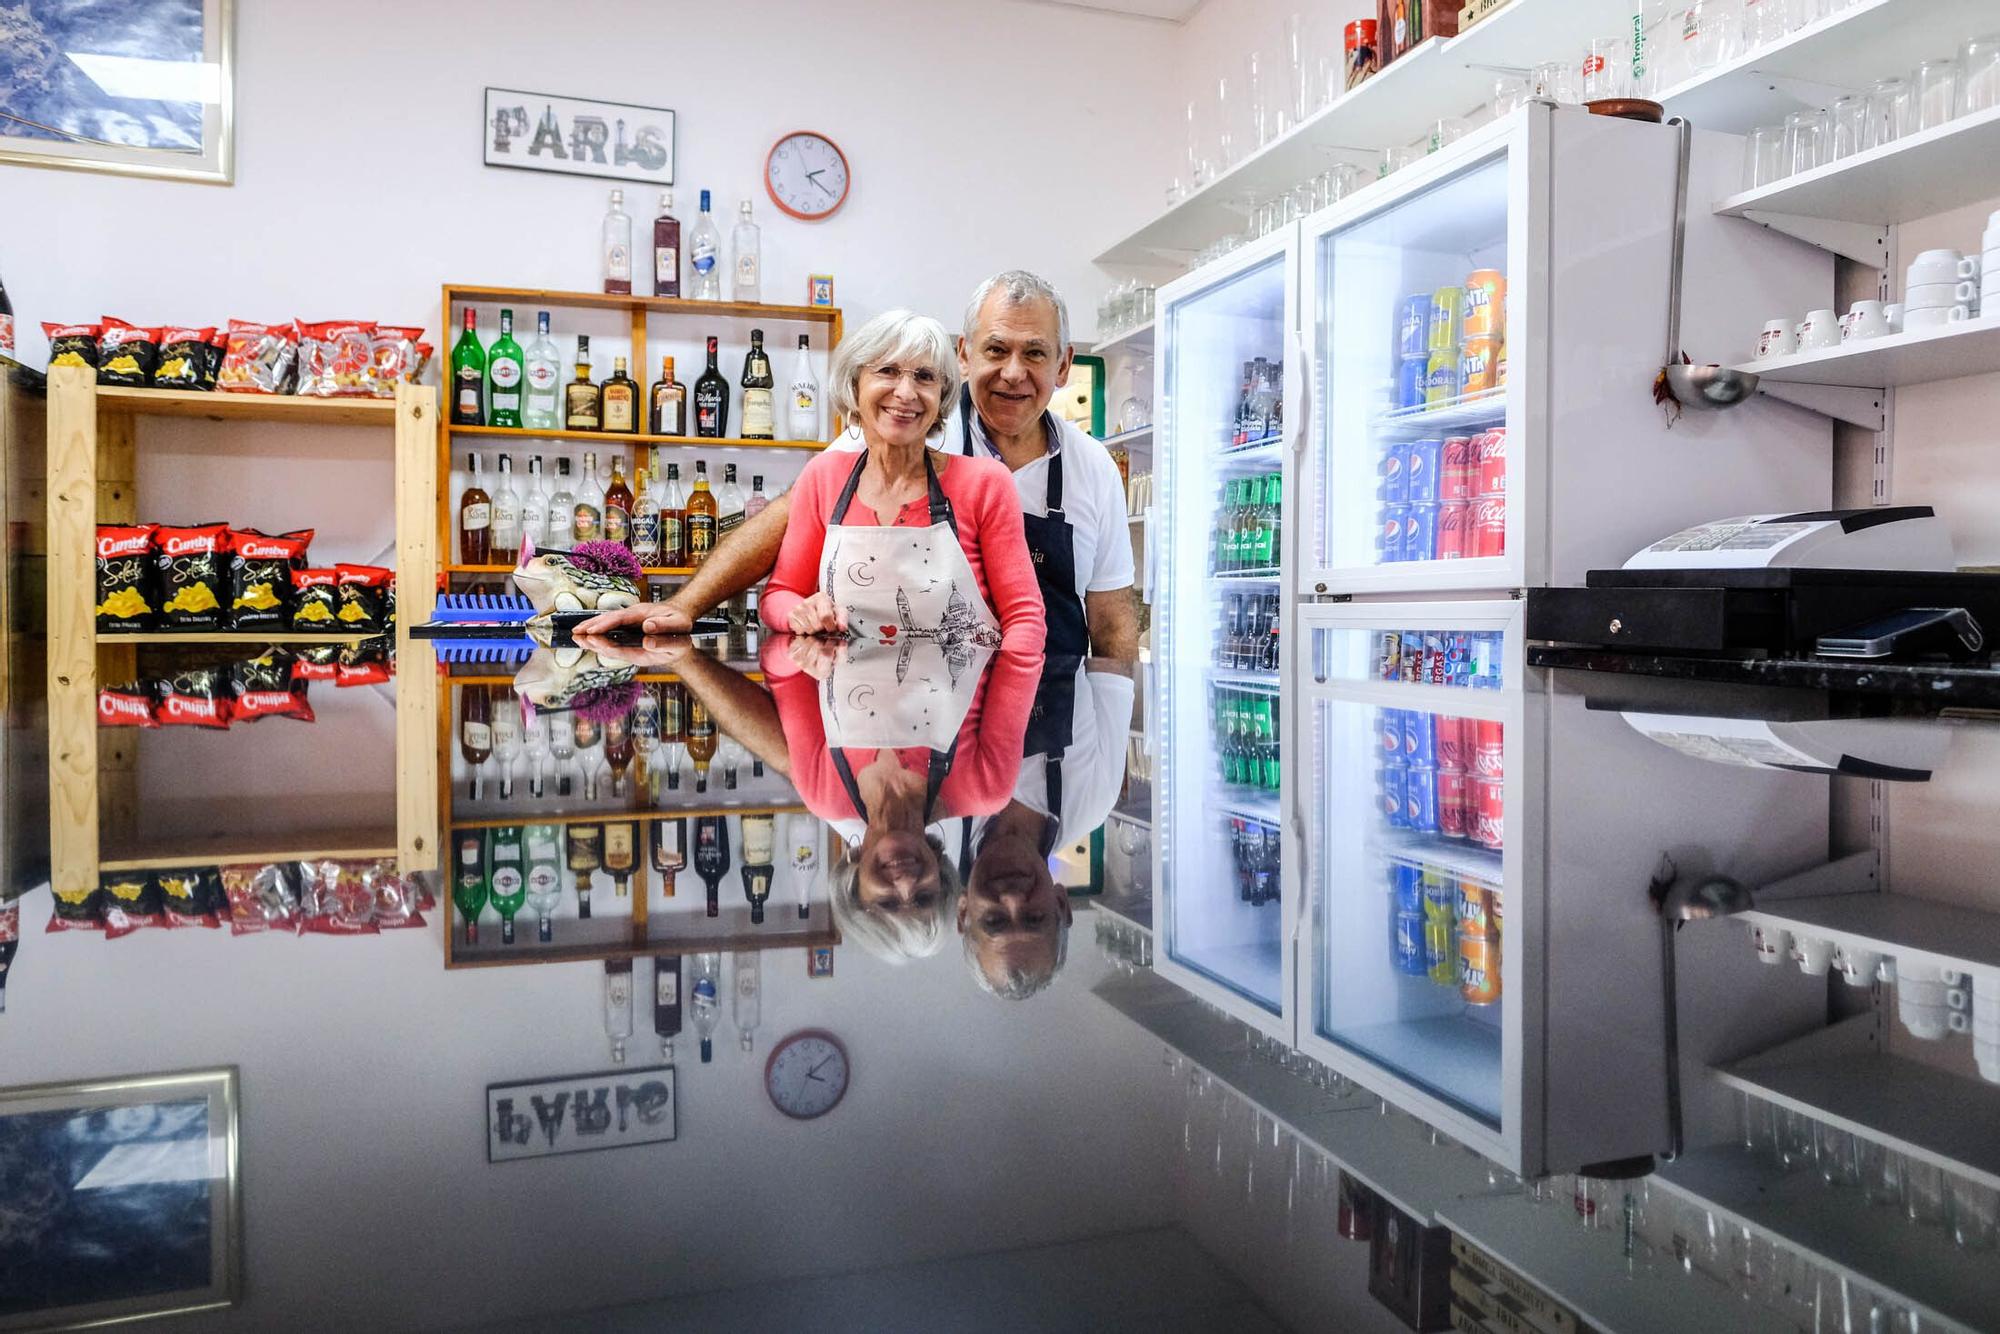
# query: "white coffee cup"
(1940, 294)
(1813, 955)
(1772, 943)
(1988, 1058)
(1931, 317)
(1958, 1021)
(1777, 340)
(1920, 990)
(1868, 319)
(1938, 266)
(1893, 312)
(1858, 967)
(1819, 330)
(1928, 1022)
(1957, 998)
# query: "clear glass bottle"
(646, 518)
(541, 409)
(802, 401)
(588, 525)
(805, 834)
(748, 1008)
(705, 256)
(534, 509)
(746, 252)
(506, 540)
(618, 1005)
(754, 504)
(507, 741)
(617, 237)
(560, 531)
(544, 850)
(705, 1001)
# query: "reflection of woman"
(902, 540)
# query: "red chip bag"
(261, 898)
(253, 705)
(131, 903)
(126, 353)
(185, 896)
(335, 357)
(259, 359)
(394, 359)
(129, 705)
(316, 601)
(338, 899)
(398, 901)
(72, 344)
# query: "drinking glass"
(1763, 156)
(1253, 93)
(1801, 13)
(1298, 95)
(1444, 132)
(1923, 1192)
(1852, 126)
(1891, 109)
(1839, 1157)
(1805, 139)
(1651, 49)
(1554, 80)
(1979, 74)
(1607, 69)
(1936, 92)
(1197, 169)
(1763, 21)
(1510, 92)
(1975, 1214)
(1708, 32)
(1225, 138)
(1796, 1144)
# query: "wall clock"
(806, 175)
(807, 1073)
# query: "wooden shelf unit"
(92, 469)
(628, 438)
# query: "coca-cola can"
(1489, 749)
(1454, 742)
(1454, 803)
(1486, 535)
(1490, 464)
(1456, 467)
(1489, 824)
(1454, 519)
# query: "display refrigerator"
(1376, 427)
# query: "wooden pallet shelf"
(224, 847)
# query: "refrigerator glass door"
(1413, 717)
(1225, 337)
(1418, 353)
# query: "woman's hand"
(814, 657)
(817, 615)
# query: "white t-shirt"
(1093, 501)
(1093, 764)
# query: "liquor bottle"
(586, 843)
(666, 248)
(618, 1001)
(562, 752)
(468, 886)
(507, 739)
(588, 732)
(646, 724)
(475, 725)
(746, 248)
(620, 857)
(542, 369)
(587, 525)
(618, 750)
(646, 518)
(711, 399)
(711, 857)
(544, 850)
(802, 403)
(701, 517)
(673, 713)
(534, 510)
(535, 745)
(730, 508)
(704, 253)
(759, 862)
(580, 395)
(618, 400)
(506, 875)
(666, 1002)
(754, 503)
(617, 248)
(701, 740)
(504, 546)
(748, 1007)
(10, 916)
(618, 505)
(705, 1001)
(503, 376)
(475, 518)
(670, 766)
(667, 413)
(7, 347)
(673, 524)
(759, 409)
(561, 511)
(804, 832)
(468, 376)
(669, 851)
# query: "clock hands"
(813, 176)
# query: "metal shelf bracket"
(1864, 242)
(1849, 403)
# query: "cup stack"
(1943, 287)
(1986, 1024)
(1989, 268)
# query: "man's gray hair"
(1018, 287)
(899, 336)
(1016, 982)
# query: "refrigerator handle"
(1298, 397)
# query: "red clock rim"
(789, 1040)
(787, 209)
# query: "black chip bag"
(269, 670)
(185, 896)
(212, 355)
(131, 902)
(183, 358)
(260, 577)
(315, 600)
(265, 688)
(72, 344)
(126, 600)
(364, 597)
(126, 353)
(193, 564)
(198, 697)
(78, 909)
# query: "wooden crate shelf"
(225, 847)
(652, 571)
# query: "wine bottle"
(711, 857)
(468, 886)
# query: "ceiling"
(1172, 11)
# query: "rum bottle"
(701, 740)
(475, 519)
(759, 415)
(668, 414)
(468, 376)
(711, 399)
(673, 522)
(580, 395)
(802, 400)
(586, 843)
(618, 506)
(702, 519)
(618, 401)
(666, 248)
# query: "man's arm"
(740, 560)
(1113, 620)
(740, 708)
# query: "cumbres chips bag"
(198, 697)
(188, 895)
(126, 600)
(335, 357)
(72, 344)
(315, 599)
(183, 359)
(364, 597)
(126, 353)
(265, 688)
(128, 705)
(259, 359)
(193, 575)
(260, 576)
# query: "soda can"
(1447, 316)
(1413, 326)
(1406, 947)
(1420, 799)
(1395, 533)
(1486, 533)
(1478, 968)
(1489, 749)
(1437, 656)
(1454, 803)
(1489, 824)
(1486, 646)
(1389, 734)
(1422, 460)
(1473, 908)
(1439, 894)
(1411, 373)
(1389, 656)
(1454, 742)
(1393, 780)
(1406, 887)
(1419, 738)
(1420, 533)
(1393, 486)
(1485, 304)
(1478, 362)
(1500, 367)
(1455, 474)
(1441, 378)
(1413, 655)
(1489, 465)
(1454, 521)
(1440, 961)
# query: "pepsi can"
(1457, 645)
(1413, 326)
(1389, 732)
(1406, 884)
(1419, 738)
(1420, 533)
(1394, 486)
(1422, 468)
(1407, 945)
(1412, 380)
(1420, 799)
(1394, 780)
(1395, 532)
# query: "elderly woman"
(904, 540)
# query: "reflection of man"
(1014, 354)
(1014, 917)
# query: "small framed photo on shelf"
(819, 961)
(122, 1199)
(578, 136)
(544, 1118)
(819, 289)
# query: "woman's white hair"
(893, 937)
(901, 337)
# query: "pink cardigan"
(988, 510)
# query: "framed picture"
(576, 136)
(819, 961)
(140, 89)
(541, 1118)
(119, 1199)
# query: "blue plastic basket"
(482, 607)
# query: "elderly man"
(1014, 354)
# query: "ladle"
(1710, 386)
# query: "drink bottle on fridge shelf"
(711, 398)
(544, 852)
(669, 851)
(666, 1002)
(759, 858)
(618, 506)
(468, 885)
(580, 394)
(507, 879)
(802, 399)
(617, 247)
(587, 523)
(705, 1000)
(618, 1006)
(759, 405)
(504, 367)
(666, 248)
(711, 857)
(748, 1010)
(468, 376)
(667, 409)
(701, 521)
(704, 255)
(534, 510)
(586, 843)
(804, 834)
(746, 250)
(559, 530)
(646, 517)
(475, 518)
(618, 401)
(621, 856)
(541, 406)
(505, 542)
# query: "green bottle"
(468, 888)
(1266, 528)
(507, 876)
(468, 377)
(1267, 746)
(504, 373)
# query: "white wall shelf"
(1918, 356)
(1134, 340)
(1917, 932)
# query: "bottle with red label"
(6, 321)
